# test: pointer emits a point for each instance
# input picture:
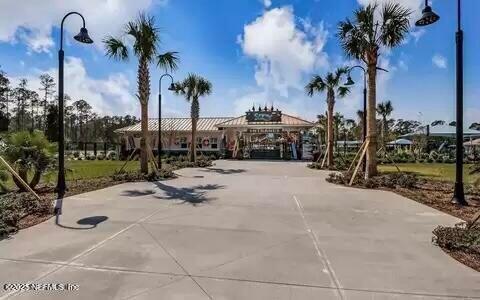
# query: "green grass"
(87, 169)
(438, 171)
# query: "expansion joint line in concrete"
(83, 253)
(321, 254)
(175, 260)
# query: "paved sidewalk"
(238, 230)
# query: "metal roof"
(287, 120)
(443, 131)
(400, 142)
(177, 124)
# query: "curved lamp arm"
(61, 26)
(160, 81)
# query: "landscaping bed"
(461, 244)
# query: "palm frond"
(115, 48)
(342, 91)
(168, 61)
(395, 24)
(146, 36)
(316, 84)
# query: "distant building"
(262, 133)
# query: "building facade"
(260, 133)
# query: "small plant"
(29, 153)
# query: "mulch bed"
(438, 194)
(468, 258)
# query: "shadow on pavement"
(137, 193)
(193, 195)
(92, 221)
(224, 171)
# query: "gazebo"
(400, 143)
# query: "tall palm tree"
(146, 38)
(385, 109)
(322, 128)
(192, 88)
(363, 39)
(332, 86)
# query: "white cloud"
(267, 3)
(107, 96)
(439, 61)
(284, 52)
(33, 24)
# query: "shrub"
(459, 237)
(389, 180)
(29, 152)
(315, 165)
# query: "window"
(183, 143)
(199, 142)
(214, 143)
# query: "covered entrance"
(264, 144)
(265, 134)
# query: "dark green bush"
(459, 237)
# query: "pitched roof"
(177, 124)
(287, 120)
(443, 131)
(401, 142)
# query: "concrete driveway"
(238, 230)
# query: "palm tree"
(363, 39)
(385, 109)
(322, 128)
(192, 88)
(438, 122)
(146, 38)
(330, 84)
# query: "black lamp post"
(428, 18)
(351, 82)
(170, 88)
(82, 37)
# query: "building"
(260, 133)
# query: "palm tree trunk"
(330, 133)
(144, 94)
(193, 144)
(371, 169)
(194, 114)
(384, 133)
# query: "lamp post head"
(349, 81)
(83, 36)
(172, 87)
(428, 17)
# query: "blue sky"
(253, 51)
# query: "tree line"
(24, 109)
